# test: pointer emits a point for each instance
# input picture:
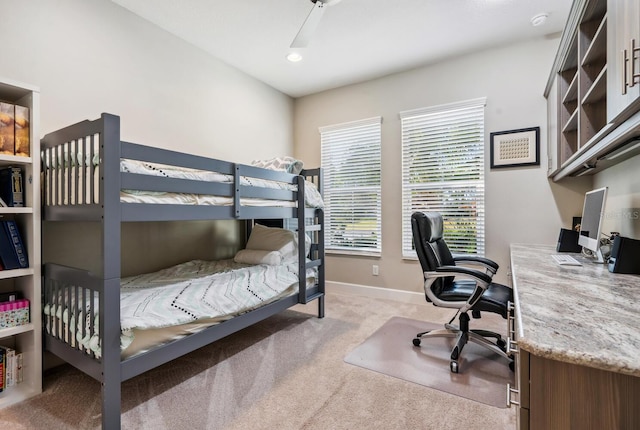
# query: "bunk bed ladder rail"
(71, 296)
(315, 229)
(66, 164)
(71, 299)
(71, 162)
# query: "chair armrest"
(482, 283)
(490, 265)
(453, 270)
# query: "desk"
(578, 332)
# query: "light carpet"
(482, 377)
(286, 373)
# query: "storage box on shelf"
(14, 313)
(20, 335)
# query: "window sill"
(338, 252)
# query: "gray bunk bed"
(83, 181)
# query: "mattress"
(161, 306)
(81, 174)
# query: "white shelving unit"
(26, 338)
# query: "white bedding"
(194, 292)
(312, 196)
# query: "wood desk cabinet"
(569, 396)
(556, 395)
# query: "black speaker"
(568, 241)
(625, 256)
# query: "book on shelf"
(8, 253)
(11, 363)
(10, 296)
(16, 240)
(7, 128)
(19, 375)
(14, 130)
(11, 186)
(9, 366)
(21, 140)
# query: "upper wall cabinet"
(623, 58)
(592, 114)
(582, 82)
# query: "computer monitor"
(591, 223)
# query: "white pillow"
(273, 239)
(283, 164)
(256, 256)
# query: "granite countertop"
(577, 314)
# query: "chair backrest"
(432, 250)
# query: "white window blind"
(351, 166)
(443, 171)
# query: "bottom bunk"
(171, 312)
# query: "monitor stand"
(598, 258)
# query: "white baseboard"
(375, 292)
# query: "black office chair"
(466, 289)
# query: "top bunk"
(89, 174)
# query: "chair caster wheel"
(454, 367)
(416, 341)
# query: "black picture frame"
(515, 148)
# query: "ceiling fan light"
(294, 57)
(539, 19)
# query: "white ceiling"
(356, 40)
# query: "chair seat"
(494, 299)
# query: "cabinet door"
(622, 91)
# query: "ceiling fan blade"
(309, 26)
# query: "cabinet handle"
(510, 401)
(511, 326)
(625, 60)
(511, 329)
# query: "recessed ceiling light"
(539, 19)
(294, 57)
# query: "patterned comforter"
(181, 294)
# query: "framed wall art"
(515, 148)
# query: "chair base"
(464, 335)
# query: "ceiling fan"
(309, 26)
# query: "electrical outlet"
(376, 270)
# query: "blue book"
(8, 254)
(11, 190)
(16, 240)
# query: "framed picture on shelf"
(515, 148)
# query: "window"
(443, 171)
(351, 165)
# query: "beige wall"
(89, 57)
(622, 211)
(521, 204)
